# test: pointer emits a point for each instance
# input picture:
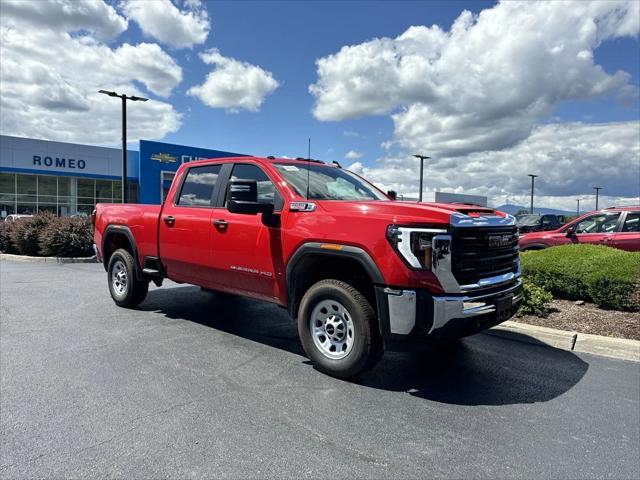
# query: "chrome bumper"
(403, 308)
(446, 309)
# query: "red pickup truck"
(358, 271)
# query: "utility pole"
(422, 159)
(578, 209)
(533, 178)
(124, 98)
(597, 189)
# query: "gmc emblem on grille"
(496, 241)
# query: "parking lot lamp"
(422, 159)
(124, 99)
(533, 178)
(597, 189)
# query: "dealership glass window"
(64, 186)
(104, 191)
(47, 185)
(8, 183)
(117, 191)
(133, 192)
(86, 190)
(27, 185)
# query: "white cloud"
(233, 84)
(163, 21)
(77, 16)
(50, 77)
(570, 159)
(350, 133)
(484, 84)
(352, 155)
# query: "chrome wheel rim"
(332, 329)
(119, 280)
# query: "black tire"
(366, 348)
(134, 290)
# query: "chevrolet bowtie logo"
(163, 158)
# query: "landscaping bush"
(6, 244)
(26, 231)
(535, 300)
(67, 237)
(606, 276)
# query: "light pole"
(124, 98)
(578, 209)
(533, 178)
(597, 189)
(422, 159)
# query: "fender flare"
(315, 249)
(112, 229)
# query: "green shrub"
(535, 300)
(606, 276)
(6, 244)
(67, 237)
(25, 233)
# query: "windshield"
(328, 183)
(528, 221)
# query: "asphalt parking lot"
(196, 384)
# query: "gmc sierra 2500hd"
(358, 271)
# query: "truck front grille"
(481, 252)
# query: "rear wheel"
(338, 329)
(126, 289)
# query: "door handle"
(169, 220)
(220, 223)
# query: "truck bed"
(140, 220)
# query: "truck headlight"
(413, 244)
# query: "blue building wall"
(158, 157)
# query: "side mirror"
(242, 197)
(392, 194)
(571, 231)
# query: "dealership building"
(69, 178)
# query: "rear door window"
(632, 222)
(197, 188)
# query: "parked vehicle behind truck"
(617, 227)
(359, 272)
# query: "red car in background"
(617, 227)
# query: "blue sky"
(286, 38)
(549, 88)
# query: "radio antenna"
(308, 165)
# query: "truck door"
(628, 237)
(185, 226)
(247, 254)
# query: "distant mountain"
(513, 209)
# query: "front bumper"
(409, 315)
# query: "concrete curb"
(26, 258)
(620, 348)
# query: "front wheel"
(125, 288)
(338, 329)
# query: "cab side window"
(632, 222)
(197, 188)
(598, 223)
(267, 192)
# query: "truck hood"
(404, 212)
